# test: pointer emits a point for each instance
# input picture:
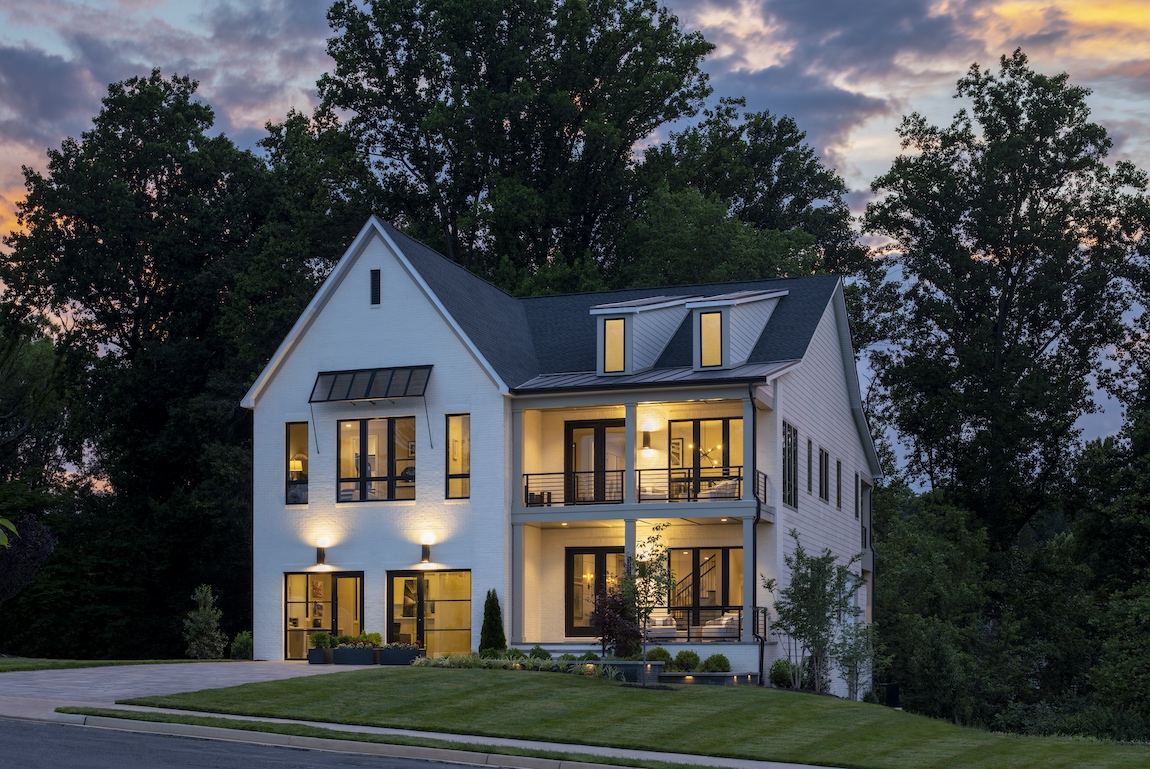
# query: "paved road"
(36, 745)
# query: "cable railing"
(592, 487)
(688, 485)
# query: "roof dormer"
(726, 327)
(630, 336)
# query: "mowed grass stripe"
(737, 722)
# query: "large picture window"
(376, 459)
(706, 458)
(458, 456)
(331, 602)
(296, 469)
(708, 596)
(790, 465)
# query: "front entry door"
(595, 461)
(317, 601)
(432, 609)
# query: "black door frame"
(420, 602)
(335, 575)
(600, 426)
(600, 554)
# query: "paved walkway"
(37, 694)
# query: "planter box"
(712, 679)
(354, 656)
(398, 656)
(634, 671)
(319, 656)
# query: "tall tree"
(504, 131)
(1010, 239)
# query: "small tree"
(854, 653)
(813, 610)
(613, 620)
(648, 580)
(491, 635)
(202, 627)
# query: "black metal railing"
(688, 485)
(701, 623)
(761, 486)
(593, 487)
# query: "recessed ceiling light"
(562, 524)
(724, 520)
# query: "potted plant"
(399, 653)
(321, 653)
(355, 651)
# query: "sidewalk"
(35, 695)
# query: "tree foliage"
(1011, 239)
(491, 634)
(648, 579)
(202, 627)
(20, 562)
(813, 610)
(504, 131)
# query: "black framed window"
(376, 459)
(810, 466)
(858, 496)
(839, 483)
(458, 456)
(295, 464)
(375, 287)
(706, 457)
(614, 345)
(790, 465)
(824, 476)
(708, 582)
(710, 339)
(331, 602)
(590, 571)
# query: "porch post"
(749, 585)
(629, 459)
(629, 538)
(750, 461)
(518, 593)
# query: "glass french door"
(590, 571)
(596, 457)
(331, 602)
(432, 609)
(705, 452)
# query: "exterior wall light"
(321, 551)
(426, 552)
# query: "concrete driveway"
(37, 693)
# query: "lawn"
(11, 664)
(739, 722)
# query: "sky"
(845, 70)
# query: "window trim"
(448, 475)
(290, 484)
(363, 479)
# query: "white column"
(518, 591)
(629, 459)
(749, 581)
(516, 458)
(750, 461)
(629, 538)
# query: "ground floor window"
(432, 609)
(314, 602)
(590, 571)
(707, 602)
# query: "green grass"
(300, 730)
(12, 664)
(738, 722)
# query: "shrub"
(490, 654)
(780, 674)
(243, 647)
(613, 620)
(716, 663)
(375, 638)
(566, 658)
(515, 654)
(491, 635)
(202, 627)
(659, 654)
(686, 661)
(322, 640)
(539, 653)
(589, 657)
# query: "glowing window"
(614, 344)
(710, 339)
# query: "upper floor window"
(810, 466)
(858, 495)
(458, 456)
(824, 476)
(614, 345)
(376, 459)
(710, 339)
(839, 484)
(375, 287)
(790, 465)
(295, 456)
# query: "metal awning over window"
(370, 384)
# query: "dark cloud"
(43, 98)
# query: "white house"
(422, 437)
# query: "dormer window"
(614, 346)
(710, 339)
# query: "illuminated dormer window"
(614, 346)
(710, 339)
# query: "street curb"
(470, 757)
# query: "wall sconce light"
(427, 539)
(647, 451)
(321, 551)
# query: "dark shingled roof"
(532, 338)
